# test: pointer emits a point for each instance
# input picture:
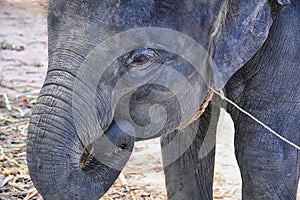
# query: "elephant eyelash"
(140, 57)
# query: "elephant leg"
(269, 166)
(268, 87)
(270, 92)
(189, 156)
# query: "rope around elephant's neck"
(255, 119)
(204, 105)
(199, 112)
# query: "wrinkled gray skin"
(255, 46)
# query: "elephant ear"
(243, 30)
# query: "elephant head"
(123, 71)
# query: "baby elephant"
(122, 71)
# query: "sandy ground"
(23, 23)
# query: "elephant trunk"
(60, 165)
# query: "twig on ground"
(7, 103)
(7, 158)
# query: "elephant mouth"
(86, 157)
(112, 149)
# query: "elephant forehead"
(194, 18)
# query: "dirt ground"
(23, 64)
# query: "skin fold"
(125, 71)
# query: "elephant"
(122, 71)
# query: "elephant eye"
(140, 59)
(140, 56)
